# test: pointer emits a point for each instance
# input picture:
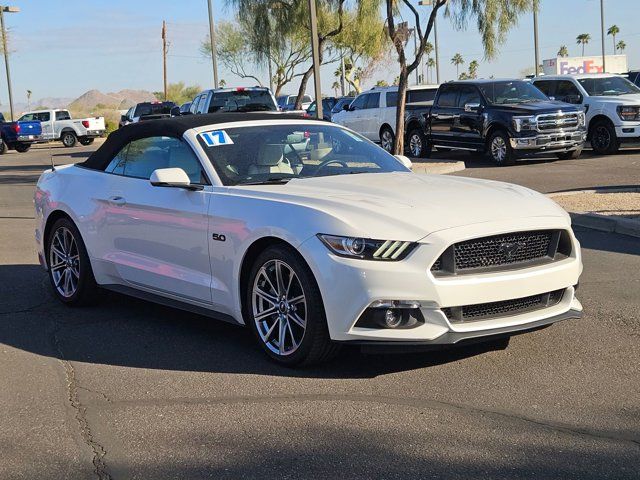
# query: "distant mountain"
(121, 100)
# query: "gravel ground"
(625, 204)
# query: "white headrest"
(270, 154)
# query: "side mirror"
(346, 107)
(404, 160)
(472, 107)
(175, 111)
(123, 118)
(172, 177)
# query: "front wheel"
(386, 139)
(70, 270)
(3, 148)
(21, 147)
(418, 146)
(85, 141)
(604, 140)
(500, 150)
(284, 309)
(68, 139)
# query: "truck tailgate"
(95, 123)
(29, 128)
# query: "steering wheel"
(329, 162)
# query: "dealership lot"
(129, 389)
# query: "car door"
(443, 115)
(371, 117)
(469, 124)
(352, 118)
(155, 237)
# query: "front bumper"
(349, 286)
(549, 142)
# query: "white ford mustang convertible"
(306, 232)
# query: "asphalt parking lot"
(129, 390)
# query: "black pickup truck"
(506, 119)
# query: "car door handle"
(117, 200)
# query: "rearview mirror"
(172, 177)
(404, 160)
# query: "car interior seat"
(270, 160)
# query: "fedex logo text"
(588, 66)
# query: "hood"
(630, 99)
(410, 205)
(550, 106)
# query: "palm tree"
(613, 31)
(583, 39)
(473, 69)
(222, 83)
(336, 87)
(563, 52)
(457, 60)
(621, 45)
(431, 64)
(28, 99)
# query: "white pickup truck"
(611, 104)
(58, 125)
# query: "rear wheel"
(70, 271)
(570, 155)
(500, 150)
(386, 139)
(86, 141)
(3, 148)
(284, 309)
(604, 140)
(417, 143)
(22, 147)
(68, 139)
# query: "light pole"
(426, 3)
(212, 39)
(316, 56)
(535, 40)
(604, 68)
(6, 53)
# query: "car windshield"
(510, 92)
(242, 101)
(608, 86)
(340, 104)
(277, 153)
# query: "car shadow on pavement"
(125, 331)
(607, 242)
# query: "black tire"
(313, 342)
(387, 139)
(570, 155)
(22, 147)
(85, 141)
(86, 291)
(417, 144)
(3, 148)
(68, 139)
(499, 149)
(604, 140)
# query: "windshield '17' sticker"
(215, 138)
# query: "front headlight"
(524, 123)
(367, 248)
(629, 113)
(581, 119)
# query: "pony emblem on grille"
(509, 249)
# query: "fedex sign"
(588, 66)
(578, 65)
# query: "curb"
(605, 223)
(438, 167)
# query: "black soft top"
(171, 127)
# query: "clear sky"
(61, 48)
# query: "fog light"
(392, 318)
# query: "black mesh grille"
(485, 311)
(501, 251)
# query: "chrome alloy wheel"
(499, 149)
(415, 145)
(64, 262)
(386, 140)
(279, 307)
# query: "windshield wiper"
(270, 180)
